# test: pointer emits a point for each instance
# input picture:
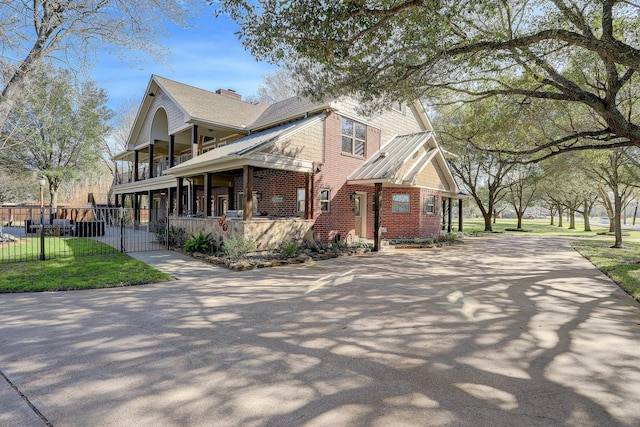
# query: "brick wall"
(337, 166)
(279, 191)
(416, 223)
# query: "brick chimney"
(229, 93)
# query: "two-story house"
(292, 169)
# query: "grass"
(621, 265)
(75, 270)
(55, 247)
(541, 227)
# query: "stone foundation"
(266, 233)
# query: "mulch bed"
(275, 260)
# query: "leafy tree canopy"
(57, 129)
(537, 52)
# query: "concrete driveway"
(495, 332)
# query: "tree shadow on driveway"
(494, 332)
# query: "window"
(429, 206)
(240, 201)
(325, 196)
(354, 136)
(397, 106)
(301, 199)
(400, 203)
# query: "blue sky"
(208, 56)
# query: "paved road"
(496, 332)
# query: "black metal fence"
(33, 233)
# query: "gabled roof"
(242, 147)
(202, 105)
(287, 110)
(401, 160)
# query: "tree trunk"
(16, 85)
(560, 213)
(8, 98)
(617, 211)
(552, 216)
(572, 219)
(586, 213)
(487, 221)
(520, 215)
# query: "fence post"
(122, 230)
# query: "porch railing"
(158, 170)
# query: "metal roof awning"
(245, 151)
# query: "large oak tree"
(72, 31)
(538, 52)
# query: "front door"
(360, 212)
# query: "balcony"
(143, 172)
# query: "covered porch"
(239, 190)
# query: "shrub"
(236, 247)
(360, 243)
(177, 236)
(449, 237)
(289, 248)
(198, 243)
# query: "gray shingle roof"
(288, 109)
(385, 164)
(210, 106)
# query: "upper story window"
(397, 106)
(354, 137)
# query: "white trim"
(273, 161)
(419, 165)
(357, 119)
(158, 183)
(422, 114)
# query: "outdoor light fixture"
(352, 196)
(42, 182)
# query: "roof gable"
(203, 105)
(402, 161)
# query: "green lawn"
(76, 270)
(54, 247)
(622, 265)
(541, 227)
